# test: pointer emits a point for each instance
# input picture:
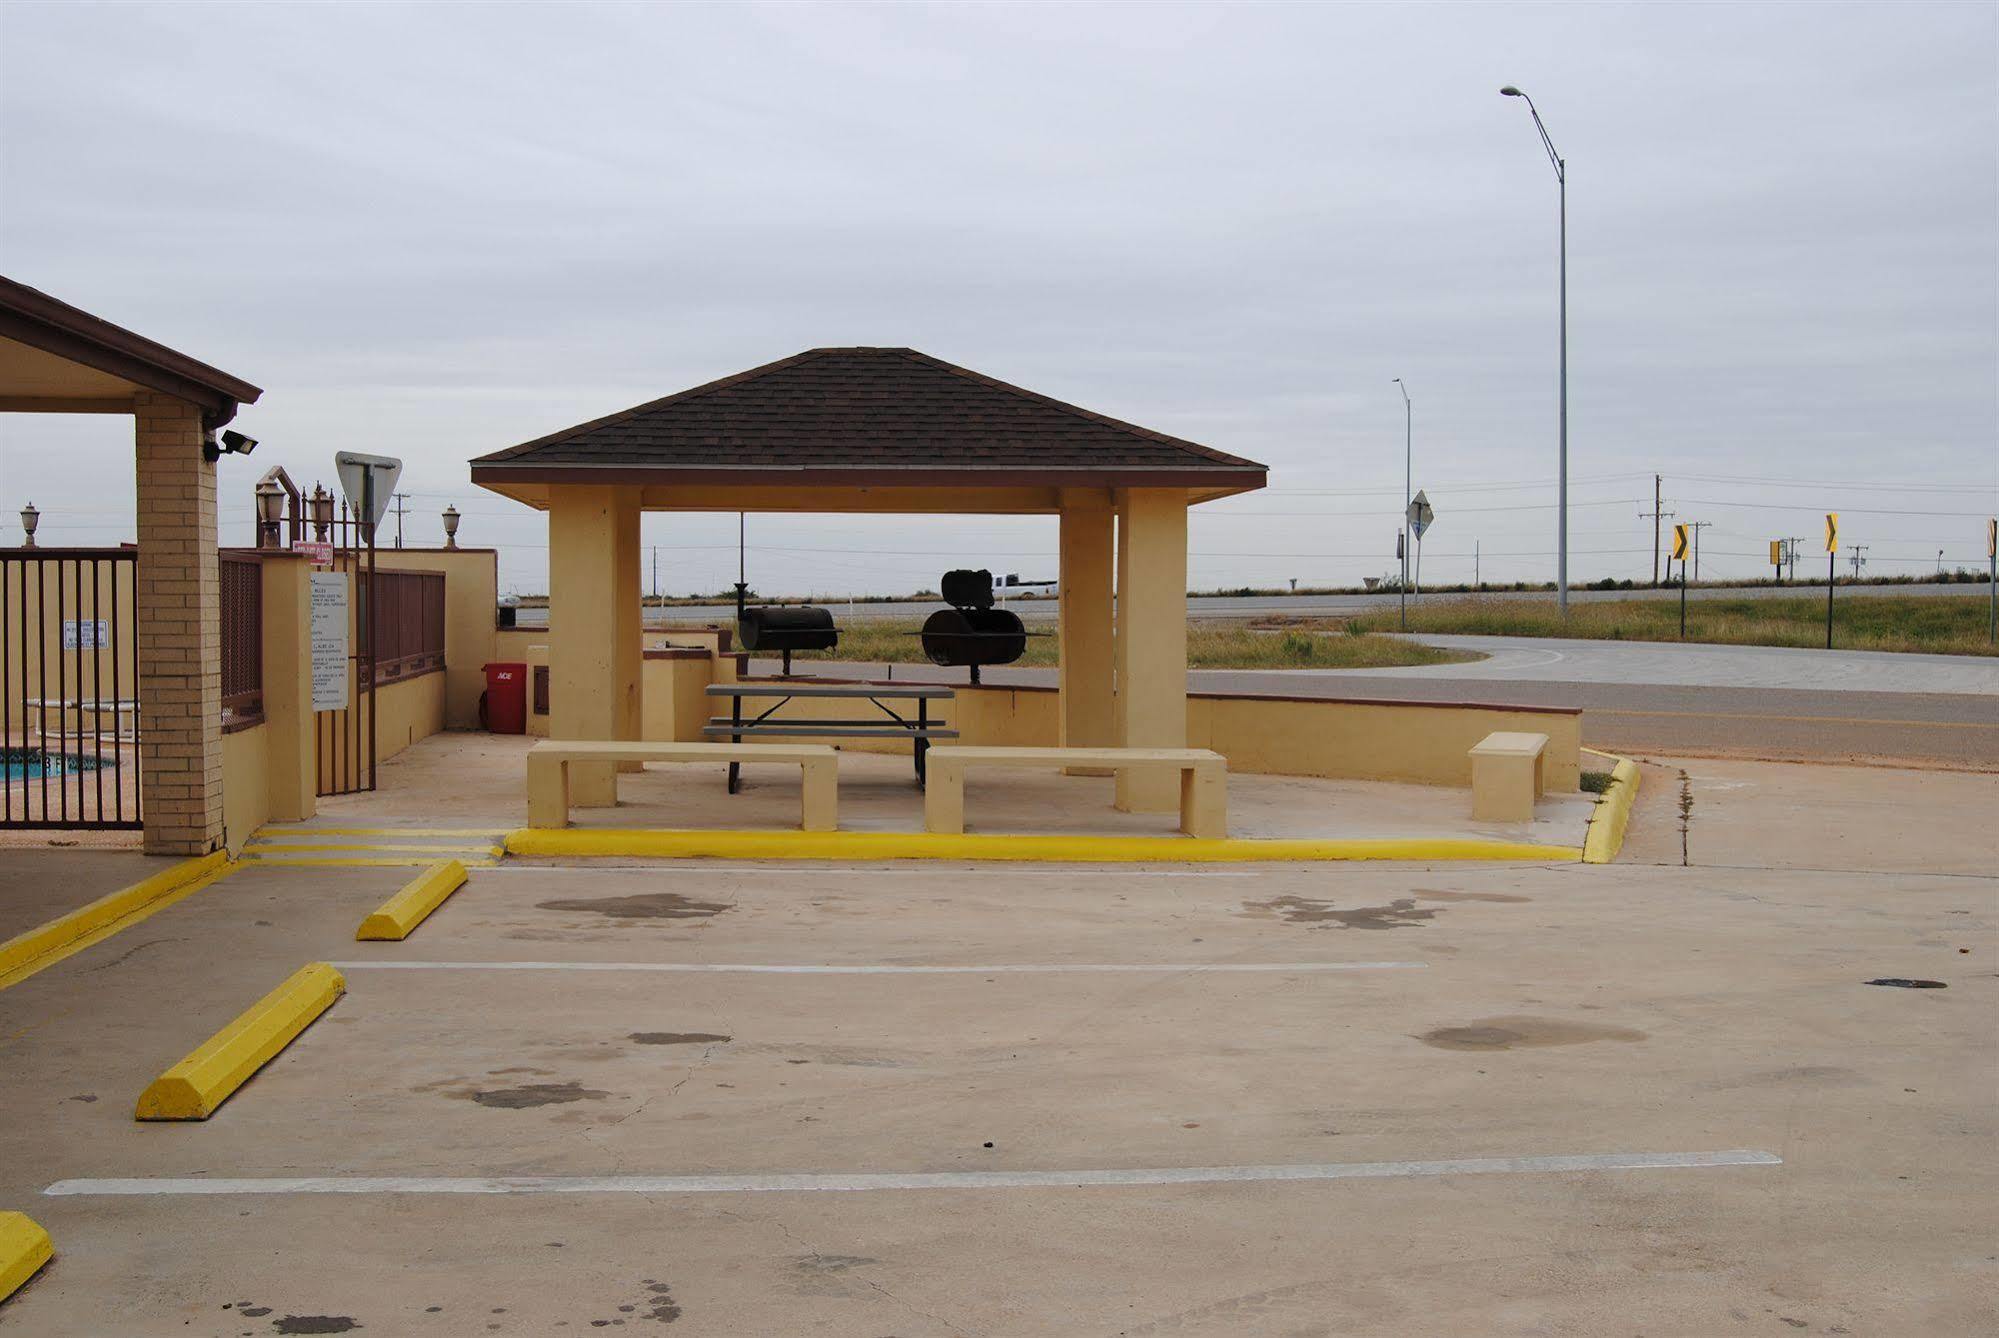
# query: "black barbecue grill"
(972, 632)
(784, 630)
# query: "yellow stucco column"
(584, 622)
(1088, 542)
(291, 761)
(630, 662)
(1151, 639)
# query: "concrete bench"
(1506, 771)
(549, 762)
(1204, 796)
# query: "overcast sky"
(436, 231)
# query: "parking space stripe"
(852, 1182)
(876, 969)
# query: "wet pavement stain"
(1398, 914)
(537, 1094)
(315, 1324)
(642, 906)
(677, 1038)
(1520, 1033)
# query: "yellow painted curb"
(267, 831)
(1612, 813)
(195, 1087)
(45, 945)
(403, 912)
(358, 862)
(24, 1248)
(368, 848)
(851, 846)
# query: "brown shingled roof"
(866, 415)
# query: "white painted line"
(794, 1183)
(873, 969)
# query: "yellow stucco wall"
(471, 596)
(407, 712)
(246, 784)
(1362, 740)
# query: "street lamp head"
(1512, 92)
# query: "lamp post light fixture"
(29, 519)
(1408, 430)
(1562, 502)
(322, 512)
(450, 526)
(270, 510)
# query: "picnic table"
(893, 725)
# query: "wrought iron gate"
(69, 688)
(345, 738)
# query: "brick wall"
(179, 631)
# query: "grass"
(1211, 644)
(1936, 624)
(1596, 782)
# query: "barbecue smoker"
(784, 630)
(972, 632)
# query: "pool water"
(35, 763)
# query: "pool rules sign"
(329, 640)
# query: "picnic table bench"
(920, 728)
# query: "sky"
(435, 231)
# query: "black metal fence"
(242, 641)
(69, 688)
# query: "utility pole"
(655, 574)
(1791, 553)
(1696, 526)
(1859, 558)
(1561, 165)
(401, 497)
(1655, 515)
(1476, 583)
(1408, 478)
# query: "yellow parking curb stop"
(195, 1087)
(24, 1248)
(403, 912)
(1612, 813)
(46, 944)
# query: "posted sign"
(86, 634)
(329, 641)
(1679, 543)
(1832, 531)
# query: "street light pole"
(1408, 436)
(1562, 502)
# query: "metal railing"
(242, 641)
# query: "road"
(1304, 606)
(1637, 697)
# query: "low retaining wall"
(1423, 743)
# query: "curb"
(195, 1087)
(1612, 813)
(402, 913)
(46, 944)
(24, 1248)
(656, 844)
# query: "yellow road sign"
(1680, 542)
(1832, 531)
(1776, 552)
(1992, 538)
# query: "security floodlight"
(451, 527)
(236, 443)
(29, 519)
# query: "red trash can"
(503, 708)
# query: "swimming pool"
(35, 763)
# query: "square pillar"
(179, 624)
(290, 756)
(583, 624)
(1151, 639)
(1088, 544)
(630, 608)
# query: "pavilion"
(880, 430)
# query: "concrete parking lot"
(1091, 1100)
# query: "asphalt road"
(1220, 606)
(1712, 701)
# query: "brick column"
(180, 631)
